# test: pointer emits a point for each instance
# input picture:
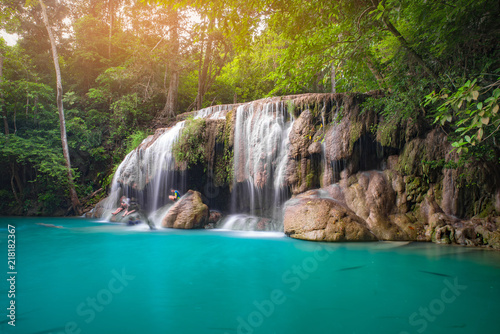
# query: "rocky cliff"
(355, 174)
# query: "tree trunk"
(4, 110)
(173, 91)
(173, 88)
(18, 200)
(376, 73)
(203, 75)
(62, 124)
(409, 49)
(334, 82)
(111, 19)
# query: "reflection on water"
(95, 277)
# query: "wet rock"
(322, 219)
(98, 210)
(214, 217)
(301, 134)
(465, 234)
(444, 235)
(189, 212)
(410, 228)
(440, 228)
(314, 148)
(427, 209)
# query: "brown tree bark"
(333, 75)
(62, 124)
(111, 21)
(4, 111)
(203, 73)
(170, 108)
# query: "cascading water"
(261, 137)
(216, 112)
(261, 145)
(147, 172)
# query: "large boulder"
(98, 210)
(323, 219)
(188, 213)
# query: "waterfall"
(261, 147)
(260, 157)
(215, 112)
(147, 172)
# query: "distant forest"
(128, 67)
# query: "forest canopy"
(128, 67)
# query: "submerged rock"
(188, 213)
(323, 219)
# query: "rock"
(440, 228)
(444, 235)
(410, 227)
(466, 235)
(314, 148)
(98, 210)
(263, 224)
(323, 219)
(335, 192)
(392, 162)
(188, 213)
(301, 134)
(428, 207)
(497, 201)
(214, 217)
(382, 226)
(494, 240)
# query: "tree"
(55, 57)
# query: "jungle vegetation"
(127, 67)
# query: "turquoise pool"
(93, 277)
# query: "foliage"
(471, 110)
(118, 58)
(190, 148)
(224, 165)
(135, 139)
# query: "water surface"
(92, 277)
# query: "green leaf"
(480, 134)
(480, 105)
(496, 93)
(467, 138)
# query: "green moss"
(416, 189)
(310, 178)
(487, 209)
(190, 148)
(386, 134)
(438, 192)
(410, 160)
(224, 166)
(354, 134)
